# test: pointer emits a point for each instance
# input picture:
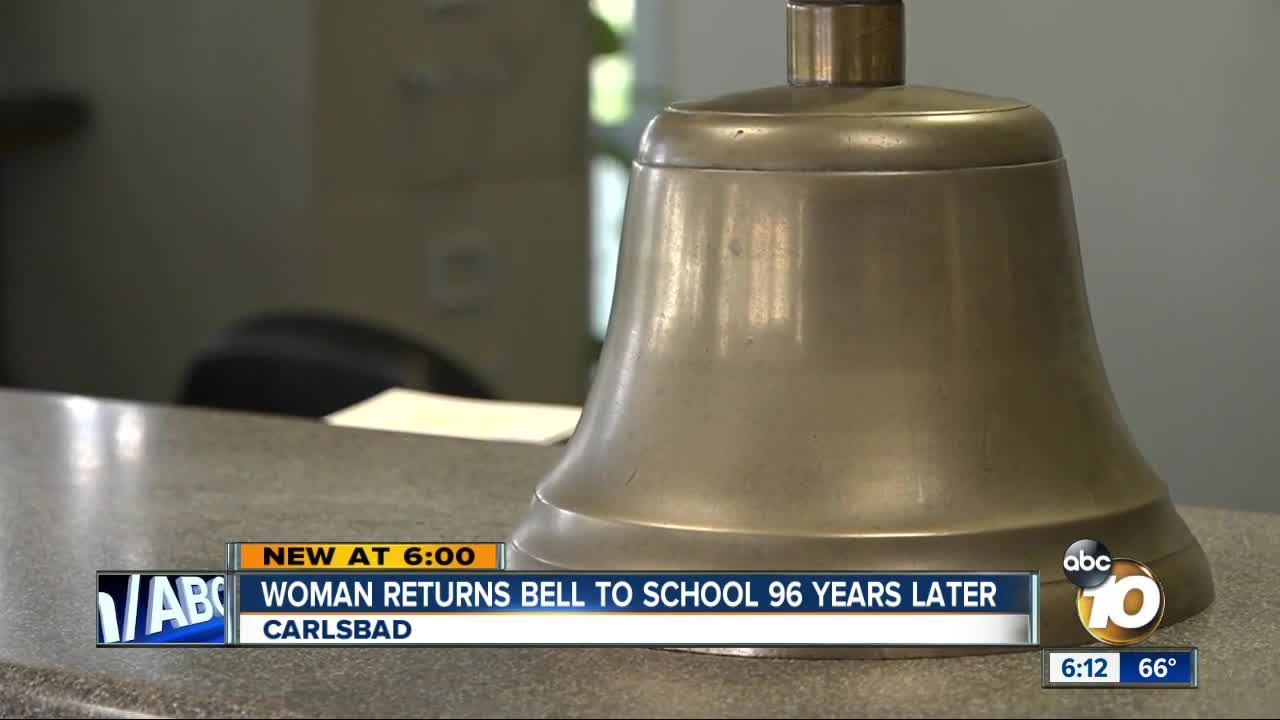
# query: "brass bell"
(851, 333)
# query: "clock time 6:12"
(1091, 667)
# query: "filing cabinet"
(467, 151)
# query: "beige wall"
(250, 156)
(180, 208)
(1167, 111)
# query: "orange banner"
(368, 556)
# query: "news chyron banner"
(636, 609)
(461, 594)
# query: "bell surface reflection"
(850, 332)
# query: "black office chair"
(313, 365)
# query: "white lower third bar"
(638, 629)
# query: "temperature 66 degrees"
(1157, 667)
(441, 556)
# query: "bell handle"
(856, 43)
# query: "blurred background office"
(434, 188)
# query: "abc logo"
(1123, 607)
(1087, 563)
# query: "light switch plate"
(460, 271)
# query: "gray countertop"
(88, 485)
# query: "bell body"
(850, 332)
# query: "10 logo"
(1119, 600)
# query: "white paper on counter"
(414, 411)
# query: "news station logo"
(1119, 601)
(160, 608)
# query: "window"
(612, 108)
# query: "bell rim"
(1184, 573)
(1130, 531)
